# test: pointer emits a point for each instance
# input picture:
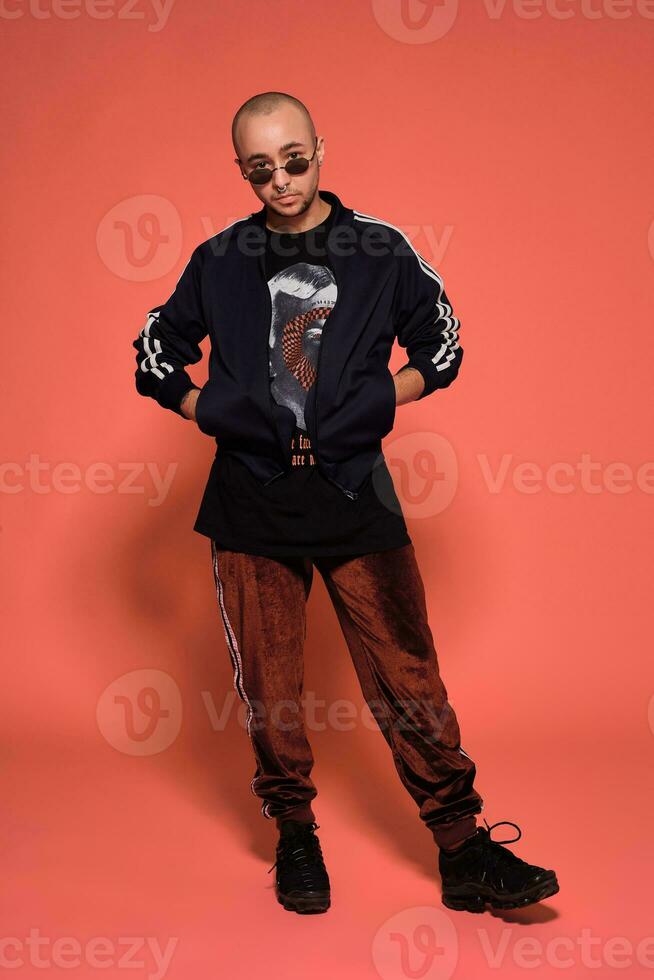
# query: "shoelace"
(490, 827)
(494, 854)
(302, 848)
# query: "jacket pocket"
(226, 410)
(205, 418)
(361, 419)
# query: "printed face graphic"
(302, 297)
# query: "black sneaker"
(481, 871)
(301, 880)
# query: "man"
(302, 301)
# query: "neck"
(316, 213)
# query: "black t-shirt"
(301, 512)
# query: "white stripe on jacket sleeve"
(440, 328)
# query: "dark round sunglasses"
(293, 167)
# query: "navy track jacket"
(386, 289)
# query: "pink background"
(522, 146)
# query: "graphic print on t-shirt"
(303, 295)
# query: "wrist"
(187, 403)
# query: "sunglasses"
(298, 166)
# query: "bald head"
(265, 104)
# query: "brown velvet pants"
(380, 603)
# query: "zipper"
(266, 332)
(276, 477)
(348, 493)
(314, 435)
